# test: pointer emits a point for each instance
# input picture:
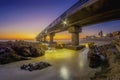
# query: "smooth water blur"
(69, 64)
(66, 65)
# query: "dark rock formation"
(59, 45)
(97, 56)
(94, 61)
(28, 51)
(36, 52)
(111, 71)
(35, 66)
(8, 55)
(18, 50)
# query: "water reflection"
(64, 73)
(69, 64)
(59, 54)
(82, 59)
(66, 65)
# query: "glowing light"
(64, 73)
(81, 64)
(86, 45)
(64, 22)
(82, 58)
(59, 54)
(104, 34)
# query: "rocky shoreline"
(110, 65)
(19, 50)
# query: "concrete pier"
(45, 36)
(51, 37)
(82, 14)
(75, 30)
(41, 39)
(75, 39)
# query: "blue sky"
(26, 18)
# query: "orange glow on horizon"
(82, 36)
(18, 37)
(26, 36)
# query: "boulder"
(28, 51)
(36, 52)
(8, 55)
(94, 61)
(18, 50)
(35, 66)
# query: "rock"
(95, 61)
(35, 66)
(23, 66)
(9, 55)
(28, 51)
(34, 52)
(97, 56)
(59, 45)
(22, 50)
(18, 50)
(110, 68)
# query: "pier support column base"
(75, 47)
(75, 30)
(45, 38)
(51, 38)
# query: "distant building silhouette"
(115, 34)
(91, 37)
(100, 33)
(109, 35)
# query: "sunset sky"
(24, 19)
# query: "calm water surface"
(66, 65)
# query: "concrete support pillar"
(75, 39)
(38, 39)
(52, 37)
(45, 38)
(75, 30)
(41, 39)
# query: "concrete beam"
(74, 29)
(91, 12)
